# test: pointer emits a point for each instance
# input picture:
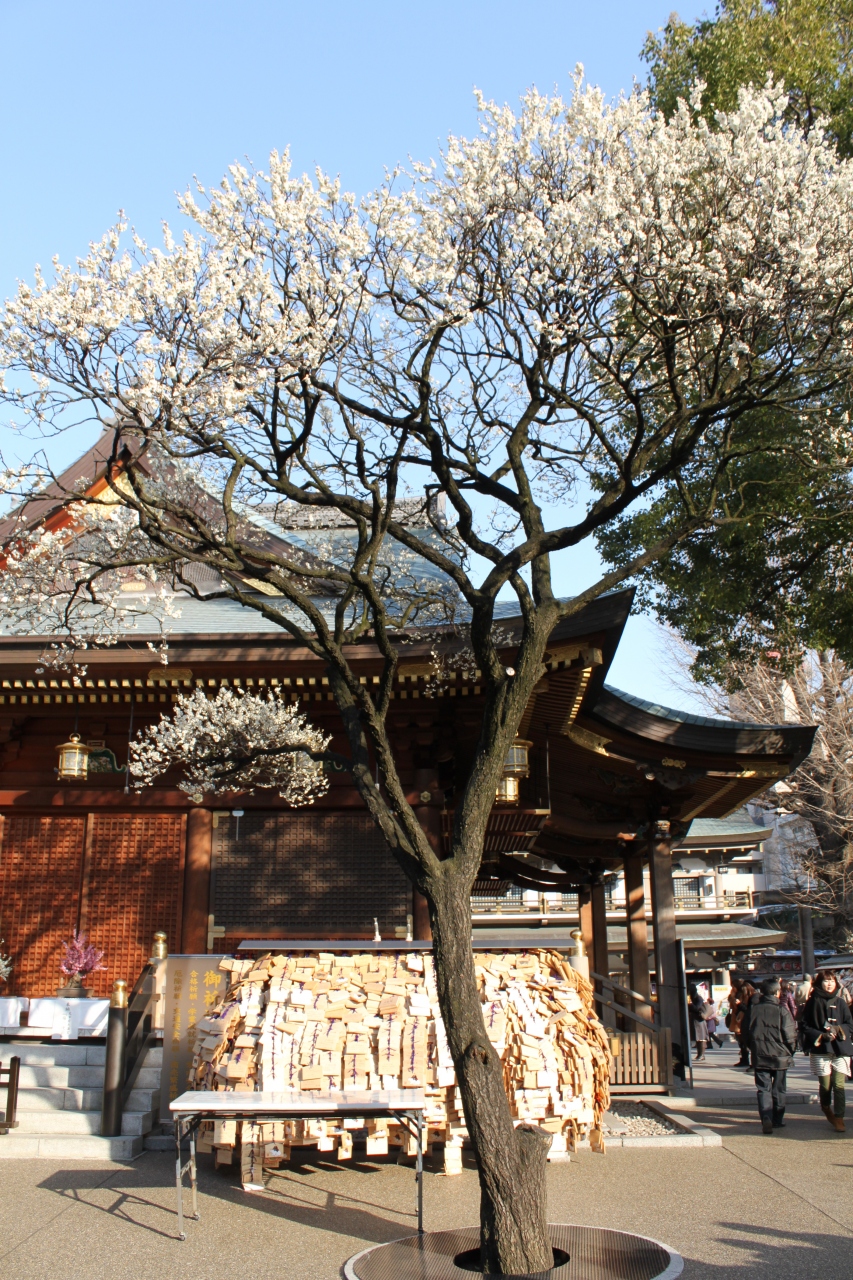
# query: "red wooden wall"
(116, 876)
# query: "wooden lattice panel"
(40, 869)
(318, 874)
(133, 887)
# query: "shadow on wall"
(306, 874)
(118, 877)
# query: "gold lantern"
(73, 758)
(516, 766)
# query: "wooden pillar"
(638, 934)
(422, 929)
(429, 816)
(599, 958)
(663, 924)
(586, 921)
(193, 939)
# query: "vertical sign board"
(193, 985)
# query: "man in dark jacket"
(771, 1035)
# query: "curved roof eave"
(689, 732)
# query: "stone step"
(133, 1123)
(42, 1100)
(16, 1145)
(143, 1100)
(146, 1078)
(138, 1123)
(55, 1055)
(59, 1122)
(49, 1077)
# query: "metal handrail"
(8, 1119)
(616, 986)
(628, 1013)
(130, 1033)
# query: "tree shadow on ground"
(802, 1124)
(288, 1195)
(772, 1253)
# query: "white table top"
(302, 1103)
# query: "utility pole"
(806, 939)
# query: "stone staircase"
(59, 1103)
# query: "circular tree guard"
(594, 1254)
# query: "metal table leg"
(419, 1170)
(179, 1178)
(189, 1167)
(193, 1173)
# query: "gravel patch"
(634, 1120)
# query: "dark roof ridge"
(682, 717)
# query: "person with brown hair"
(827, 1031)
(742, 993)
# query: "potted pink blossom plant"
(80, 959)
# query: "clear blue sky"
(110, 107)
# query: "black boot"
(779, 1119)
(766, 1124)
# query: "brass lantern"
(73, 758)
(516, 766)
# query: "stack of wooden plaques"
(324, 1022)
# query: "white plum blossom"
(68, 583)
(234, 742)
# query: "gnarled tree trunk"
(511, 1161)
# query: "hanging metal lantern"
(516, 765)
(507, 791)
(73, 758)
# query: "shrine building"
(606, 783)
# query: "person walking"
(827, 1031)
(711, 1024)
(742, 994)
(698, 1025)
(770, 1034)
(803, 991)
(786, 998)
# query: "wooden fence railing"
(642, 1061)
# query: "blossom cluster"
(81, 957)
(68, 583)
(235, 742)
(6, 965)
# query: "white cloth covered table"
(11, 1008)
(70, 1019)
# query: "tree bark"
(511, 1161)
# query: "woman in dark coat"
(827, 1033)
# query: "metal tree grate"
(594, 1254)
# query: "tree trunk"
(511, 1161)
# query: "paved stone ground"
(717, 1078)
(759, 1208)
(756, 1209)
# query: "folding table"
(193, 1108)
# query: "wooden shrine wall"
(41, 863)
(304, 874)
(118, 877)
